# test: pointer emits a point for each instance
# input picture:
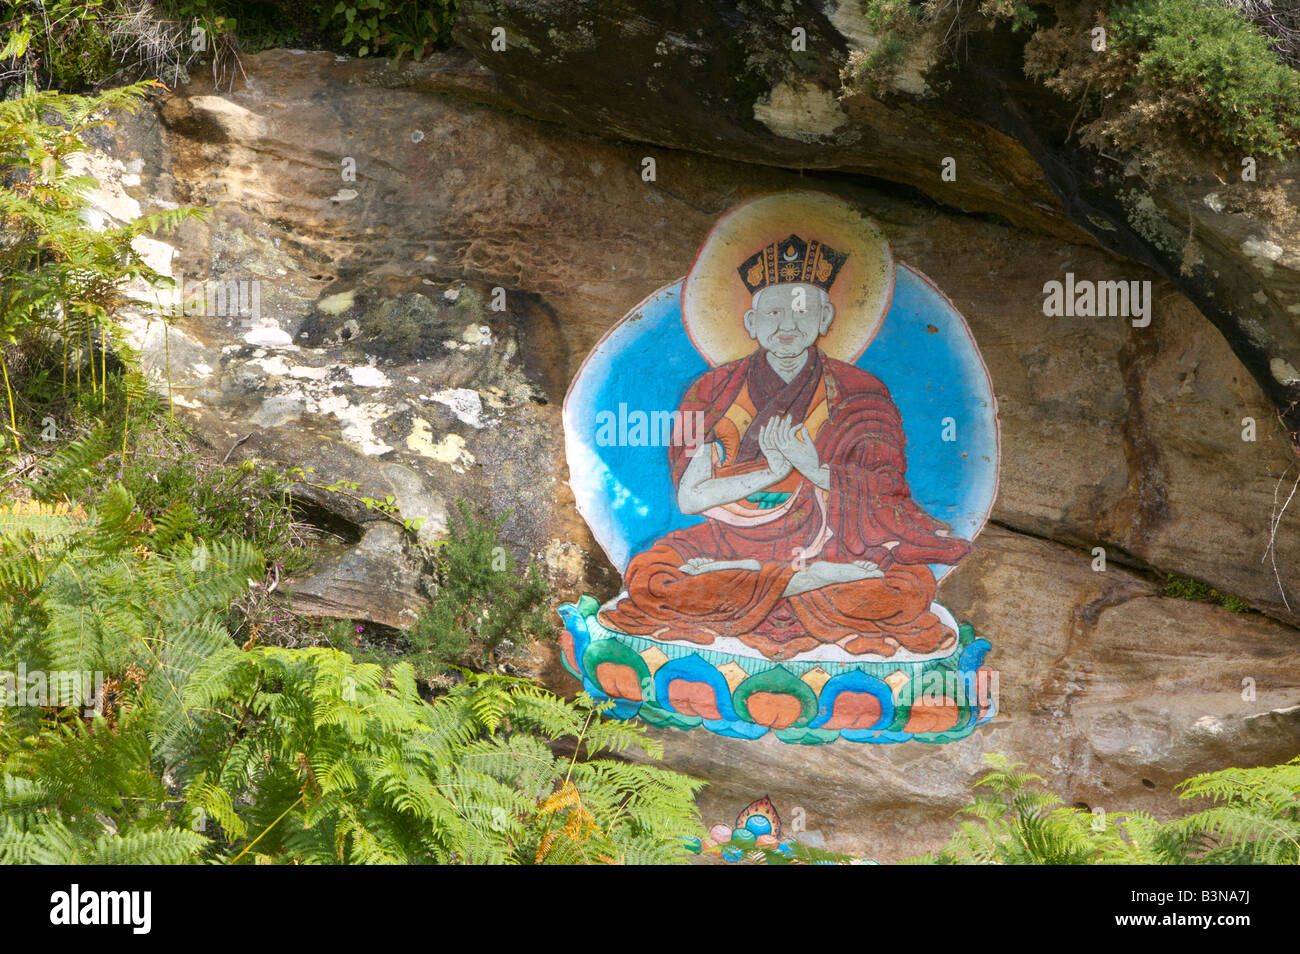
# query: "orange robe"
(859, 436)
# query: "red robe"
(859, 435)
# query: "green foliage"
(897, 24)
(172, 484)
(1228, 82)
(119, 596)
(1018, 13)
(203, 750)
(482, 611)
(1256, 820)
(1014, 825)
(139, 608)
(343, 762)
(75, 45)
(1185, 588)
(394, 27)
(60, 281)
(63, 43)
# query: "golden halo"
(714, 299)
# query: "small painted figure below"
(811, 535)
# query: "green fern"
(1256, 818)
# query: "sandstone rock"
(393, 371)
(725, 80)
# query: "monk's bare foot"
(705, 565)
(872, 570)
(824, 573)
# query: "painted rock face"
(879, 373)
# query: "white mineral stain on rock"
(1262, 248)
(344, 195)
(1284, 371)
(465, 403)
(308, 373)
(157, 255)
(1208, 723)
(270, 336)
(800, 110)
(450, 450)
(1262, 254)
(275, 366)
(337, 304)
(358, 426)
(368, 377)
(107, 198)
(202, 370)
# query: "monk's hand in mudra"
(777, 462)
(795, 444)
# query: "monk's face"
(787, 320)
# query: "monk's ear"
(749, 323)
(828, 315)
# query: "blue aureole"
(924, 353)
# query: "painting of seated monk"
(810, 533)
(788, 529)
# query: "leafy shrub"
(74, 45)
(1241, 90)
(1255, 818)
(482, 611)
(395, 27)
(1180, 82)
(57, 42)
